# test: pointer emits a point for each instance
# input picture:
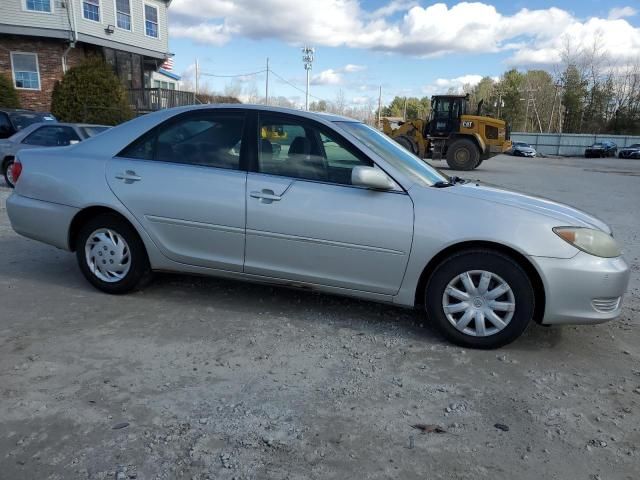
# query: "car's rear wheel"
(7, 171)
(111, 255)
(480, 298)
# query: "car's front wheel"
(111, 255)
(480, 298)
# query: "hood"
(564, 214)
(526, 149)
(596, 147)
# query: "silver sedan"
(42, 134)
(318, 202)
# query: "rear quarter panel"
(60, 175)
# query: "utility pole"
(266, 87)
(404, 112)
(307, 59)
(197, 75)
(380, 107)
(553, 106)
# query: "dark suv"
(13, 120)
(601, 150)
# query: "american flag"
(168, 64)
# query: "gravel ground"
(200, 378)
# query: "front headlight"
(594, 242)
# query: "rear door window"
(209, 139)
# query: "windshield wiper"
(450, 183)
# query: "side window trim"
(153, 134)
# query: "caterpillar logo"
(467, 124)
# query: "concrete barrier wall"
(569, 144)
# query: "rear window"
(21, 120)
(92, 131)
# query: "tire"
(406, 143)
(123, 247)
(479, 162)
(516, 306)
(463, 154)
(6, 166)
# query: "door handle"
(128, 176)
(266, 196)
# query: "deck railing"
(145, 100)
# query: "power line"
(295, 87)
(268, 71)
(231, 76)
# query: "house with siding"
(42, 39)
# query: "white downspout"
(74, 33)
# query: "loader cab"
(446, 111)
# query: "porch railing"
(145, 100)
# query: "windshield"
(394, 154)
(24, 119)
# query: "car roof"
(268, 108)
(114, 139)
(66, 124)
(21, 110)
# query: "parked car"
(601, 150)
(172, 191)
(13, 120)
(632, 151)
(522, 149)
(43, 134)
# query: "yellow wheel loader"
(451, 133)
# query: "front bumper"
(44, 221)
(582, 290)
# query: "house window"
(163, 84)
(123, 14)
(39, 5)
(25, 71)
(151, 21)
(91, 10)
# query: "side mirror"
(371, 178)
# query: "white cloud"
(442, 85)
(335, 76)
(622, 12)
(327, 77)
(393, 7)
(351, 68)
(403, 26)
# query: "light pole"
(307, 59)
